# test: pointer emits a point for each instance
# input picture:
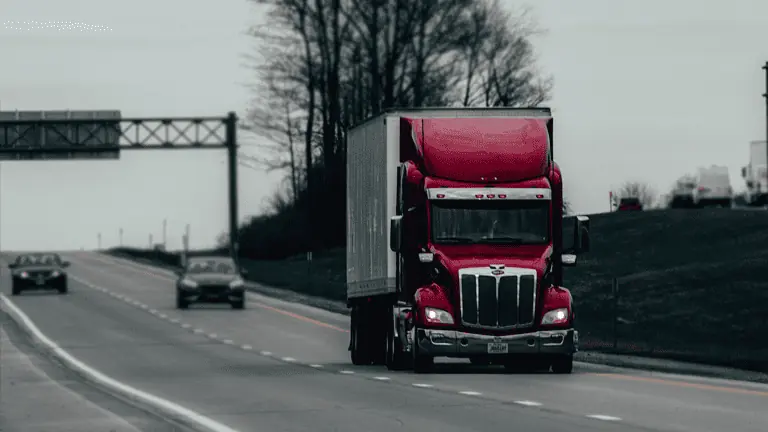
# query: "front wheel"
(562, 364)
(181, 303)
(15, 289)
(63, 289)
(396, 358)
(421, 362)
(239, 303)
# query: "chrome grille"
(502, 301)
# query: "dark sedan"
(38, 271)
(210, 280)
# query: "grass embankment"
(692, 284)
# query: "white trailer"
(756, 174)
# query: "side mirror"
(395, 235)
(581, 239)
(12, 265)
(569, 260)
(65, 264)
(744, 172)
(178, 273)
(575, 234)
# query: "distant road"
(281, 366)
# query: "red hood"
(456, 257)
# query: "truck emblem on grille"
(497, 269)
(496, 339)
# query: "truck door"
(399, 279)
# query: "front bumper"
(451, 343)
(44, 282)
(219, 294)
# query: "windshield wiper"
(461, 240)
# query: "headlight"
(236, 283)
(438, 316)
(189, 282)
(24, 274)
(557, 316)
(55, 274)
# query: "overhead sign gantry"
(99, 135)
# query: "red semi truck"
(456, 240)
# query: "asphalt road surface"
(38, 395)
(277, 366)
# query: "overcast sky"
(643, 91)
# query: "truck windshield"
(491, 222)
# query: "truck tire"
(563, 364)
(181, 303)
(359, 351)
(15, 289)
(63, 289)
(421, 363)
(396, 358)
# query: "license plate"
(40, 282)
(498, 348)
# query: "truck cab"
(476, 242)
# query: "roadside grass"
(692, 284)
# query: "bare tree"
(644, 192)
(324, 65)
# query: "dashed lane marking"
(346, 372)
(316, 366)
(528, 403)
(421, 385)
(381, 378)
(470, 393)
(288, 359)
(246, 347)
(604, 417)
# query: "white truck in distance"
(756, 174)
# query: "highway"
(277, 366)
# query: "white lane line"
(117, 386)
(174, 320)
(246, 347)
(528, 403)
(604, 417)
(197, 330)
(213, 335)
(163, 316)
(143, 306)
(381, 378)
(316, 366)
(153, 311)
(288, 359)
(470, 393)
(347, 372)
(186, 326)
(265, 353)
(420, 385)
(227, 341)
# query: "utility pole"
(186, 238)
(150, 241)
(765, 95)
(165, 234)
(121, 237)
(98, 240)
